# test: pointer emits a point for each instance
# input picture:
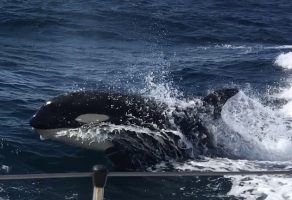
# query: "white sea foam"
(229, 46)
(270, 134)
(263, 133)
(284, 60)
(264, 187)
(247, 47)
(287, 109)
(5, 169)
(286, 94)
(99, 132)
(162, 92)
(282, 47)
(248, 187)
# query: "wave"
(259, 129)
(250, 49)
(248, 187)
(230, 46)
(284, 60)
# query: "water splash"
(160, 89)
(284, 60)
(247, 187)
(249, 129)
(167, 142)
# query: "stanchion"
(99, 180)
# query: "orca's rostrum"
(128, 148)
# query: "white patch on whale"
(91, 118)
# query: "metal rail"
(100, 173)
(140, 174)
(195, 173)
(45, 176)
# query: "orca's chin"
(72, 140)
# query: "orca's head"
(55, 114)
(70, 111)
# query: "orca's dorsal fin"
(218, 98)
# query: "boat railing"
(100, 174)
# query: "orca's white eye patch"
(89, 118)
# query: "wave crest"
(284, 60)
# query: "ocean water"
(165, 49)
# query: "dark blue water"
(51, 47)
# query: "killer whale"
(83, 109)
